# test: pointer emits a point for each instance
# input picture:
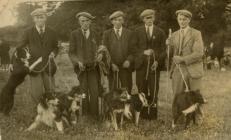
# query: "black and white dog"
(187, 104)
(135, 105)
(20, 69)
(56, 109)
(114, 105)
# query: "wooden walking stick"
(148, 67)
(168, 65)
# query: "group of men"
(142, 50)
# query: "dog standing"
(20, 69)
(114, 105)
(135, 105)
(184, 101)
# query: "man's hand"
(115, 68)
(10, 67)
(178, 59)
(168, 41)
(154, 66)
(81, 66)
(126, 64)
(52, 55)
(40, 59)
(148, 52)
(99, 58)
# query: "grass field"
(215, 126)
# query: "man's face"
(148, 20)
(40, 20)
(84, 22)
(183, 21)
(118, 22)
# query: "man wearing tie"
(41, 41)
(150, 53)
(186, 47)
(83, 46)
(118, 42)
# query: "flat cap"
(38, 12)
(184, 12)
(85, 14)
(147, 12)
(116, 14)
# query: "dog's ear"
(70, 98)
(16, 54)
(197, 91)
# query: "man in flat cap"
(41, 41)
(186, 49)
(150, 52)
(118, 41)
(83, 46)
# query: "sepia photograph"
(115, 69)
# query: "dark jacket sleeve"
(137, 51)
(130, 57)
(72, 49)
(55, 46)
(162, 52)
(106, 41)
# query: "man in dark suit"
(41, 41)
(82, 52)
(150, 52)
(117, 40)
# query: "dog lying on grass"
(186, 104)
(56, 109)
(20, 69)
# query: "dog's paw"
(73, 122)
(173, 125)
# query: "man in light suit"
(186, 47)
(117, 40)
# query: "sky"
(8, 15)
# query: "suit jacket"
(76, 50)
(120, 53)
(140, 43)
(192, 51)
(40, 46)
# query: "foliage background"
(209, 16)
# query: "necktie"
(118, 33)
(148, 33)
(181, 40)
(85, 34)
(41, 32)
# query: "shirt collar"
(39, 28)
(185, 29)
(148, 26)
(87, 31)
(120, 29)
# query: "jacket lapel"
(187, 37)
(45, 37)
(37, 36)
(113, 34)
